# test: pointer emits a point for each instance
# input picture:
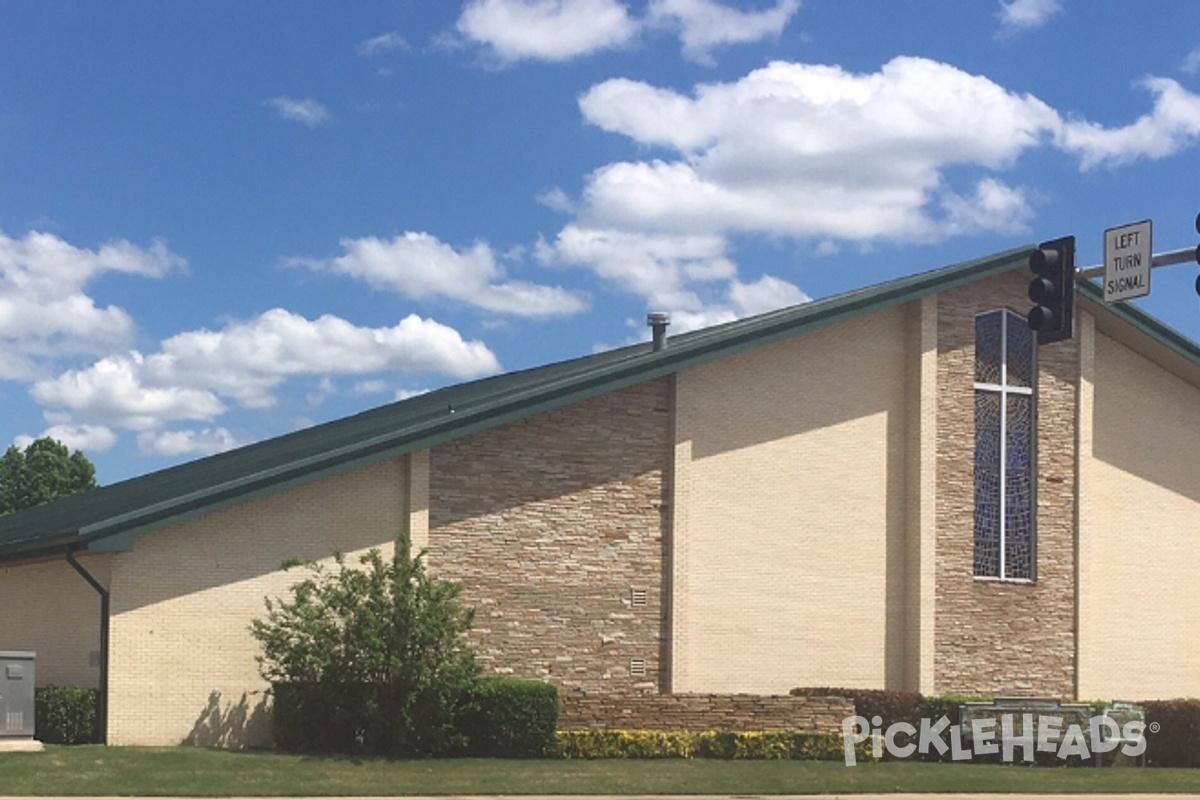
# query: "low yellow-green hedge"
(708, 744)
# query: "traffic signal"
(1198, 253)
(1053, 290)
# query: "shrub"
(709, 744)
(1176, 741)
(508, 718)
(66, 715)
(372, 660)
(890, 706)
(947, 705)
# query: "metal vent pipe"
(658, 322)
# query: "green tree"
(45, 470)
(384, 645)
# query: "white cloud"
(90, 438)
(741, 300)
(246, 362)
(663, 269)
(704, 24)
(1191, 64)
(994, 206)
(656, 267)
(766, 294)
(307, 112)
(1174, 123)
(808, 150)
(1026, 14)
(556, 199)
(204, 442)
(419, 266)
(548, 30)
(44, 311)
(111, 392)
(383, 43)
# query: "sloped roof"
(106, 518)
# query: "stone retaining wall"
(703, 712)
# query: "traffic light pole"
(1185, 256)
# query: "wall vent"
(637, 667)
(638, 597)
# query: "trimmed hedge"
(509, 718)
(497, 718)
(889, 706)
(1176, 740)
(776, 745)
(66, 715)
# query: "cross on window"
(1004, 437)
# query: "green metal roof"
(107, 518)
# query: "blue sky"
(223, 221)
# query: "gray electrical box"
(16, 695)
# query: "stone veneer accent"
(703, 712)
(997, 637)
(551, 523)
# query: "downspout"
(102, 699)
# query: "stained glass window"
(1004, 437)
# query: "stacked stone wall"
(554, 526)
(998, 637)
(703, 712)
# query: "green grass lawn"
(196, 772)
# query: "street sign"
(1127, 255)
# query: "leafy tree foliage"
(384, 644)
(43, 471)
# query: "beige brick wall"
(1139, 528)
(550, 522)
(790, 512)
(182, 665)
(997, 637)
(48, 608)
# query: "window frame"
(1004, 389)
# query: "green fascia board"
(147, 503)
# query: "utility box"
(16, 695)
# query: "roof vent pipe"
(658, 322)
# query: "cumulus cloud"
(419, 266)
(92, 438)
(547, 30)
(1026, 14)
(812, 151)
(704, 24)
(245, 362)
(203, 442)
(691, 277)
(1174, 123)
(808, 150)
(306, 112)
(658, 267)
(112, 392)
(561, 30)
(913, 152)
(44, 309)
